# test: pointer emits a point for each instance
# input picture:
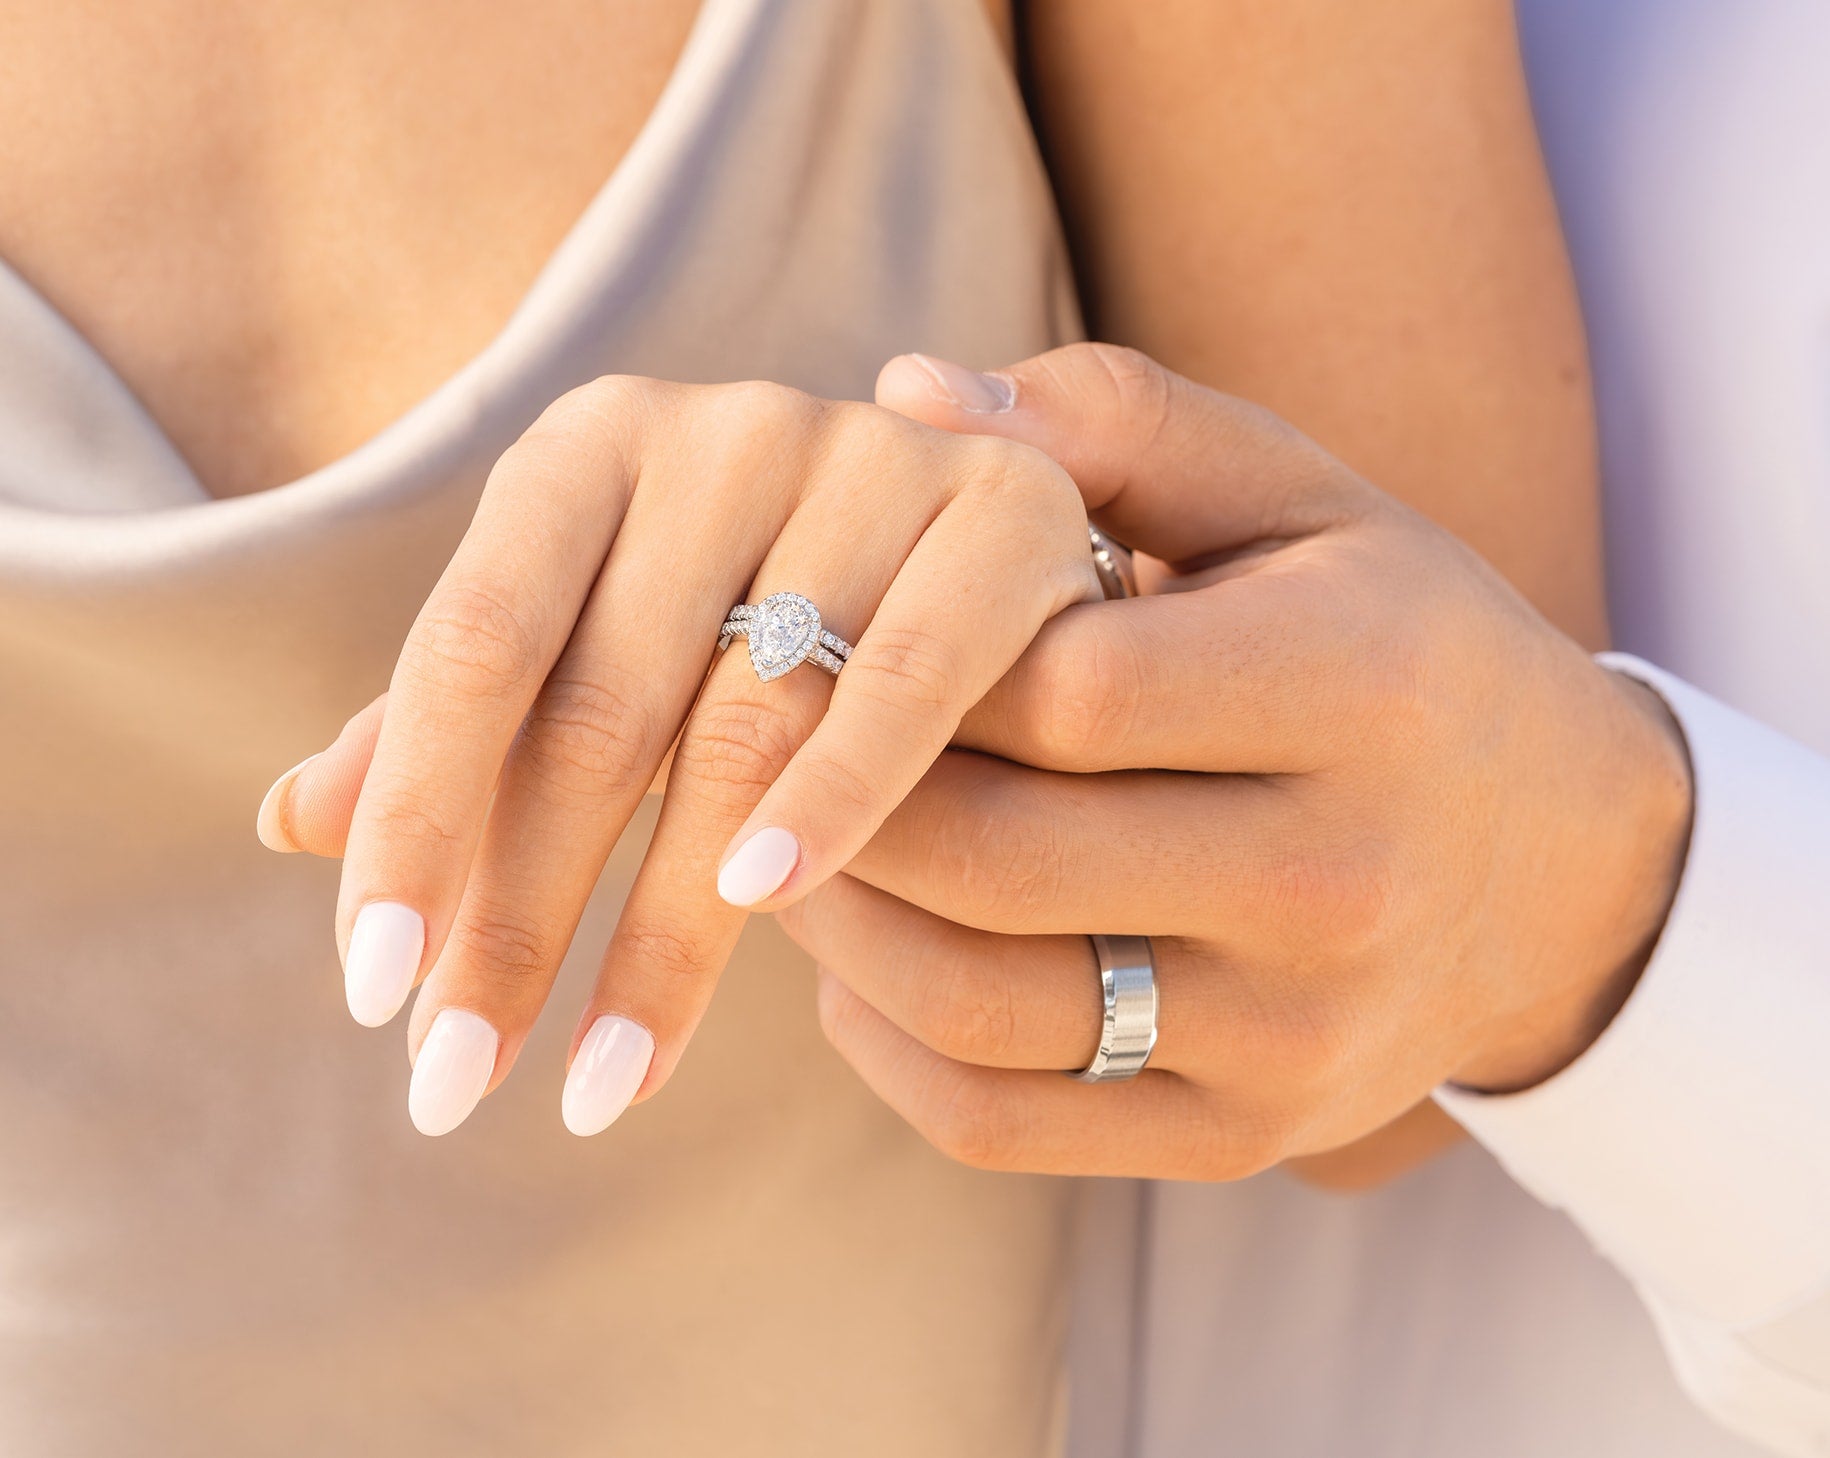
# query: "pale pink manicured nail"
(759, 866)
(385, 946)
(968, 389)
(610, 1066)
(451, 1072)
(269, 823)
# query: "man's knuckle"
(1198, 1140)
(1315, 1047)
(1341, 895)
(1393, 682)
(1348, 897)
(1258, 1142)
(968, 1122)
(1137, 378)
(1086, 702)
(1230, 1139)
(1002, 868)
(1029, 874)
(1129, 389)
(965, 1010)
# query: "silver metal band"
(784, 631)
(1117, 575)
(1127, 984)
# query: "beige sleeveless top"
(218, 1233)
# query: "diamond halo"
(784, 631)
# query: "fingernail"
(968, 389)
(610, 1066)
(385, 946)
(270, 820)
(451, 1072)
(759, 866)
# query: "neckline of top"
(715, 44)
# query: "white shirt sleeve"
(1691, 1142)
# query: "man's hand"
(1385, 825)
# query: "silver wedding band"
(1117, 575)
(1127, 985)
(784, 631)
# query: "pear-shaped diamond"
(784, 629)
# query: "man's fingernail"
(759, 866)
(385, 946)
(270, 820)
(968, 389)
(451, 1072)
(610, 1066)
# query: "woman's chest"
(284, 225)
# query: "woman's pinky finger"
(1155, 1126)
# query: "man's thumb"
(1167, 466)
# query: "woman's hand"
(1386, 827)
(566, 645)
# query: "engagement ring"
(784, 631)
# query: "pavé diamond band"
(784, 631)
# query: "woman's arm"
(1340, 211)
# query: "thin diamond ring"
(784, 632)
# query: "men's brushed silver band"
(1127, 983)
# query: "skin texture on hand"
(1386, 826)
